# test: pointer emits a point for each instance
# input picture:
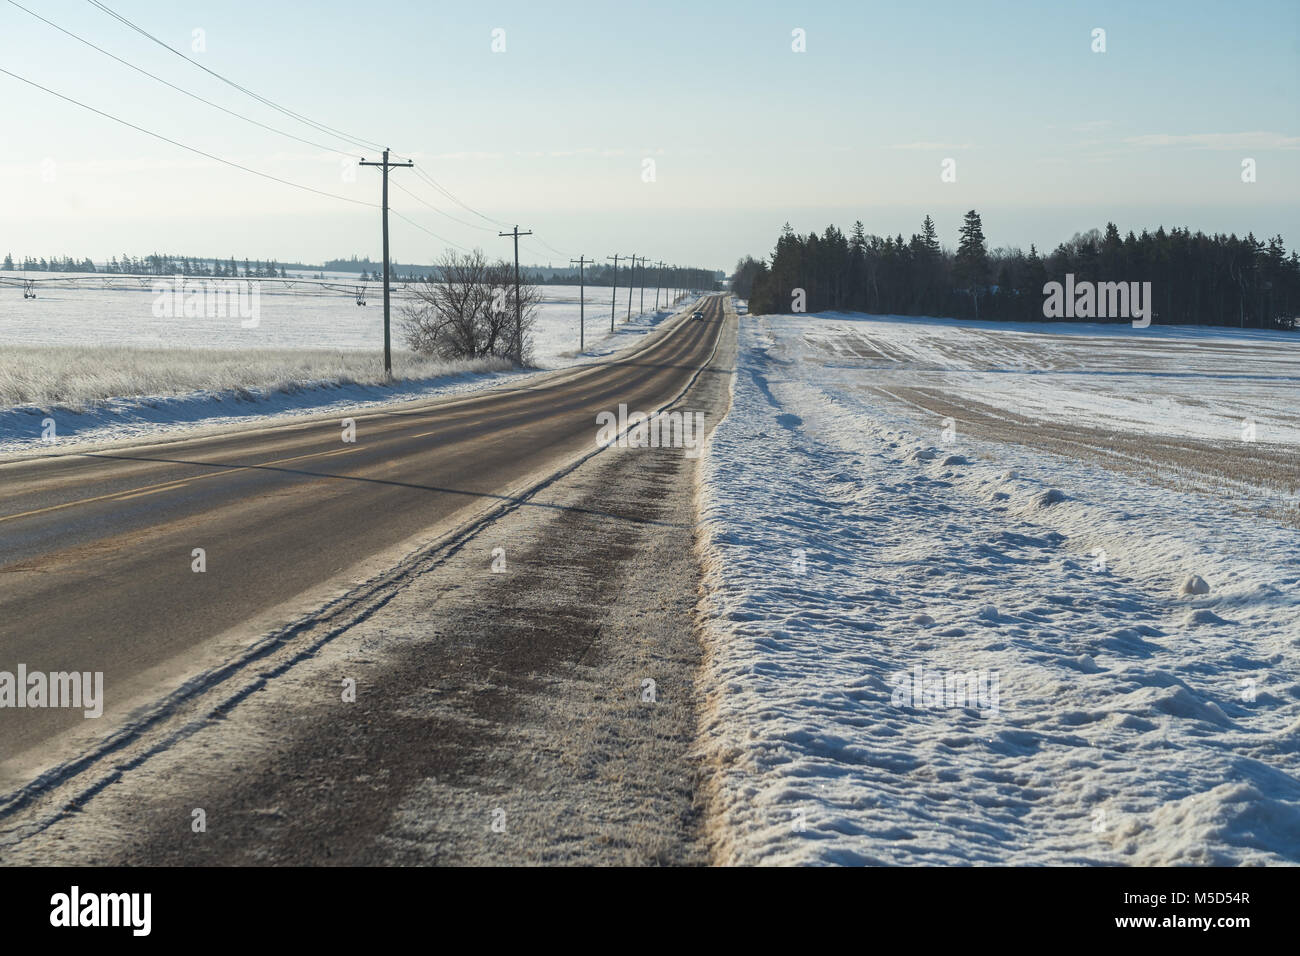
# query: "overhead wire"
(321, 127)
(178, 89)
(192, 149)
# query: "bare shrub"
(467, 310)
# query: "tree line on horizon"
(158, 264)
(1195, 279)
(166, 264)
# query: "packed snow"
(932, 646)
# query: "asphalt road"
(95, 549)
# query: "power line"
(440, 212)
(537, 252)
(192, 149)
(195, 96)
(548, 245)
(354, 140)
(262, 99)
(450, 195)
(423, 229)
(227, 162)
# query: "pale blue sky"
(1048, 136)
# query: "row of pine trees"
(1195, 279)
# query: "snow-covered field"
(105, 367)
(1108, 376)
(959, 641)
(299, 318)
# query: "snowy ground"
(309, 354)
(298, 318)
(1104, 716)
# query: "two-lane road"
(95, 549)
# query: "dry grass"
(77, 378)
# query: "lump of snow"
(924, 620)
(1195, 585)
(1045, 499)
(1178, 701)
(956, 460)
(1204, 616)
(987, 613)
(1086, 663)
(924, 454)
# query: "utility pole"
(642, 306)
(659, 280)
(519, 321)
(388, 347)
(582, 300)
(629, 287)
(613, 296)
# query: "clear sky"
(1049, 137)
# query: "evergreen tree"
(929, 236)
(1111, 261)
(971, 265)
(1034, 277)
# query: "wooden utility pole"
(519, 319)
(629, 287)
(581, 261)
(659, 280)
(613, 295)
(642, 306)
(388, 341)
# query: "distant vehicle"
(699, 315)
